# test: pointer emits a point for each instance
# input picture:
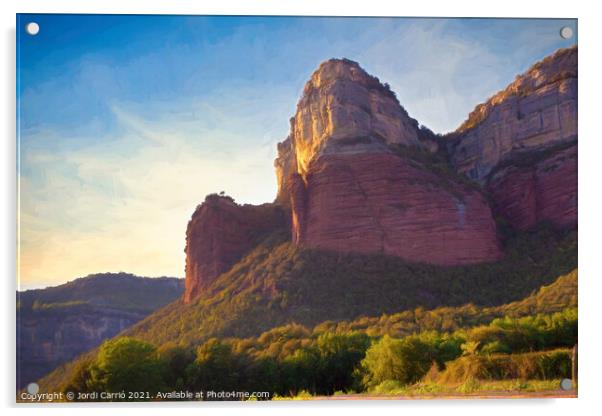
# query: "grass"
(469, 386)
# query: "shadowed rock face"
(535, 112)
(219, 234)
(48, 340)
(522, 145)
(545, 191)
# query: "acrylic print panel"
(263, 208)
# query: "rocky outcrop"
(521, 145)
(351, 189)
(537, 111)
(358, 174)
(219, 233)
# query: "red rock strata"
(545, 191)
(219, 234)
(385, 203)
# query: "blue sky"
(127, 122)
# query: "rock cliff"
(358, 174)
(521, 145)
(343, 110)
(544, 190)
(218, 235)
(351, 189)
(371, 203)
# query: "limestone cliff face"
(537, 111)
(521, 145)
(343, 110)
(350, 190)
(218, 235)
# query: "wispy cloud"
(122, 203)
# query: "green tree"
(127, 364)
(339, 355)
(300, 371)
(176, 360)
(218, 367)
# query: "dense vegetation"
(291, 359)
(278, 283)
(331, 356)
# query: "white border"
(590, 154)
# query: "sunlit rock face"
(343, 110)
(349, 190)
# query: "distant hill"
(56, 324)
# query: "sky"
(125, 123)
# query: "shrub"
(404, 360)
(541, 365)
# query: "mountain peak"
(343, 110)
(336, 69)
(559, 66)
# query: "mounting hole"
(33, 388)
(566, 32)
(566, 384)
(32, 28)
